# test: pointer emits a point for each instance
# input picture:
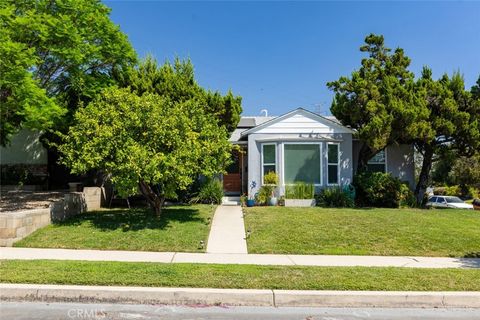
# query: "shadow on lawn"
(135, 219)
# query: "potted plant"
(251, 197)
(300, 195)
(270, 181)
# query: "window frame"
(268, 163)
(379, 163)
(332, 163)
(320, 146)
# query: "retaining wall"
(16, 225)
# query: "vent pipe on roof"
(264, 111)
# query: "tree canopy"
(177, 82)
(454, 119)
(379, 100)
(156, 135)
(53, 55)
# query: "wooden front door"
(232, 180)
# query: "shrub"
(462, 191)
(407, 198)
(270, 178)
(211, 192)
(264, 194)
(299, 191)
(377, 189)
(335, 197)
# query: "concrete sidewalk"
(227, 234)
(253, 259)
(238, 297)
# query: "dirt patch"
(24, 200)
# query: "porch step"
(231, 201)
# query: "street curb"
(238, 297)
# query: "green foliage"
(55, 54)
(211, 192)
(466, 171)
(442, 167)
(299, 191)
(264, 194)
(454, 118)
(146, 141)
(407, 197)
(462, 191)
(271, 178)
(334, 197)
(379, 100)
(377, 189)
(20, 174)
(177, 82)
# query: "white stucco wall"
(25, 148)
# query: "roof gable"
(299, 121)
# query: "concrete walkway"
(252, 259)
(227, 234)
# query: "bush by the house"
(407, 198)
(335, 197)
(299, 191)
(211, 192)
(377, 189)
(264, 193)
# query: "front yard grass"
(237, 276)
(413, 232)
(180, 228)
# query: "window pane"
(376, 167)
(332, 174)
(269, 153)
(302, 163)
(378, 158)
(268, 168)
(333, 153)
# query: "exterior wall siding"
(25, 148)
(256, 140)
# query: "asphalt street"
(52, 311)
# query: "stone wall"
(16, 225)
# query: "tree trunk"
(154, 200)
(364, 154)
(424, 176)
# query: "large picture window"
(378, 163)
(333, 163)
(302, 163)
(269, 158)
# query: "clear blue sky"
(279, 55)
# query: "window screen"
(269, 163)
(302, 163)
(333, 163)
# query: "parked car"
(447, 202)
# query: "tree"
(53, 55)
(380, 100)
(146, 142)
(454, 117)
(466, 171)
(177, 82)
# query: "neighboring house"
(302, 146)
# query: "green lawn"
(181, 228)
(396, 232)
(238, 276)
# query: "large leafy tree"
(146, 142)
(454, 118)
(380, 100)
(177, 82)
(53, 55)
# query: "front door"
(232, 180)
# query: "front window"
(377, 163)
(302, 163)
(333, 163)
(269, 163)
